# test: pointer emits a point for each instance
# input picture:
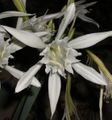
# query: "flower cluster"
(59, 55)
(5, 51)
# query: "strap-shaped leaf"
(29, 103)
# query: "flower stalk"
(70, 108)
(100, 64)
(70, 1)
(20, 7)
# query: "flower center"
(57, 54)
(2, 53)
(58, 57)
(5, 52)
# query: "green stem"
(100, 65)
(18, 109)
(20, 7)
(70, 1)
(70, 108)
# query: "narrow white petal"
(51, 16)
(44, 60)
(41, 34)
(87, 19)
(15, 72)
(54, 87)
(24, 2)
(26, 37)
(80, 2)
(18, 74)
(81, 6)
(61, 72)
(19, 23)
(26, 79)
(7, 14)
(47, 69)
(73, 52)
(89, 73)
(17, 46)
(44, 51)
(89, 40)
(69, 68)
(68, 17)
(35, 82)
(2, 30)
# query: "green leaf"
(25, 105)
(19, 109)
(29, 103)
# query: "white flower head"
(81, 10)
(38, 24)
(5, 51)
(58, 57)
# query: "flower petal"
(89, 40)
(43, 33)
(87, 19)
(69, 68)
(50, 16)
(89, 73)
(81, 5)
(26, 37)
(17, 46)
(15, 72)
(80, 2)
(35, 82)
(7, 14)
(54, 85)
(24, 2)
(2, 30)
(18, 74)
(68, 17)
(26, 79)
(19, 23)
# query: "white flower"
(38, 24)
(59, 56)
(5, 51)
(81, 10)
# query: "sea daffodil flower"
(59, 56)
(39, 23)
(5, 51)
(81, 11)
